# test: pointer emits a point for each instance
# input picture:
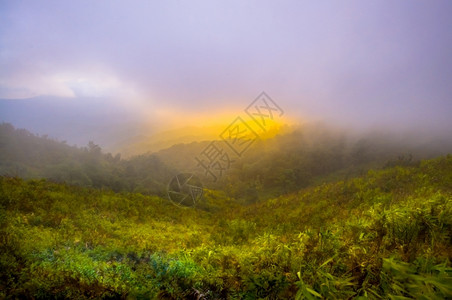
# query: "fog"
(115, 72)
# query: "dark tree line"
(23, 154)
(272, 167)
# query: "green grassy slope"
(384, 235)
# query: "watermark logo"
(185, 189)
(215, 160)
(239, 136)
(262, 109)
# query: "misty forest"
(306, 214)
(225, 150)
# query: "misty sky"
(361, 63)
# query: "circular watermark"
(185, 189)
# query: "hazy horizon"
(109, 71)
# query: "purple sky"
(360, 63)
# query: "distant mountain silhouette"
(76, 120)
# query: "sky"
(355, 63)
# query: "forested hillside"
(279, 165)
(387, 234)
(26, 155)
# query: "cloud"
(364, 61)
(67, 84)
